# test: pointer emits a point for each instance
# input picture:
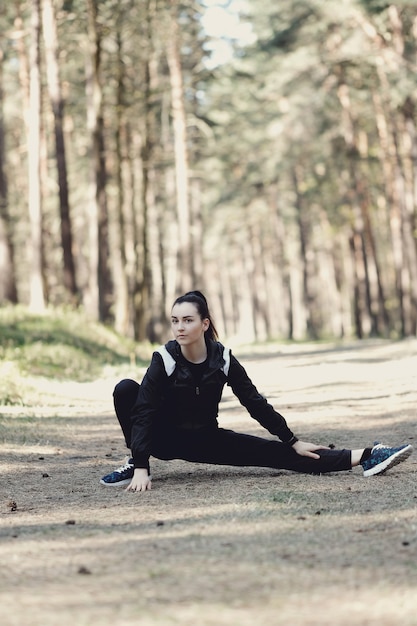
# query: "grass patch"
(60, 345)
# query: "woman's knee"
(125, 386)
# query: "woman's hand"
(140, 481)
(303, 448)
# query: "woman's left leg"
(226, 447)
(124, 397)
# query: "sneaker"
(383, 458)
(121, 476)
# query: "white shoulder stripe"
(226, 357)
(169, 361)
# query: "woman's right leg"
(124, 397)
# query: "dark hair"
(197, 298)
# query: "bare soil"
(212, 546)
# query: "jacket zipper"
(197, 391)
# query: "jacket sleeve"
(255, 403)
(143, 413)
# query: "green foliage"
(287, 37)
(375, 6)
(59, 344)
(10, 391)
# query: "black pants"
(219, 446)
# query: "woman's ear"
(206, 323)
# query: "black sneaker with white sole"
(383, 458)
(120, 476)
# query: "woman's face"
(187, 326)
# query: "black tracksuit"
(174, 416)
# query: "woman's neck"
(195, 353)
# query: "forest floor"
(216, 546)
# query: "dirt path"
(214, 546)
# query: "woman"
(173, 413)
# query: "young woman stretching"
(173, 413)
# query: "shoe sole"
(391, 461)
(119, 483)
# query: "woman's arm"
(143, 413)
(264, 412)
(256, 404)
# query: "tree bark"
(142, 288)
(8, 289)
(307, 261)
(100, 284)
(57, 103)
(36, 294)
(185, 260)
(118, 249)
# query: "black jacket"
(174, 401)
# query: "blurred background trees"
(281, 178)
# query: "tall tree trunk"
(403, 138)
(344, 277)
(8, 289)
(389, 160)
(221, 289)
(55, 95)
(197, 233)
(307, 260)
(142, 289)
(119, 256)
(185, 277)
(281, 294)
(377, 298)
(361, 285)
(100, 286)
(371, 311)
(257, 277)
(404, 133)
(329, 297)
(36, 295)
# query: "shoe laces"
(127, 465)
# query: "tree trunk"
(185, 261)
(307, 261)
(403, 138)
(8, 289)
(329, 296)
(36, 296)
(142, 289)
(55, 95)
(100, 286)
(389, 160)
(281, 294)
(118, 247)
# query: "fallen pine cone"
(12, 505)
